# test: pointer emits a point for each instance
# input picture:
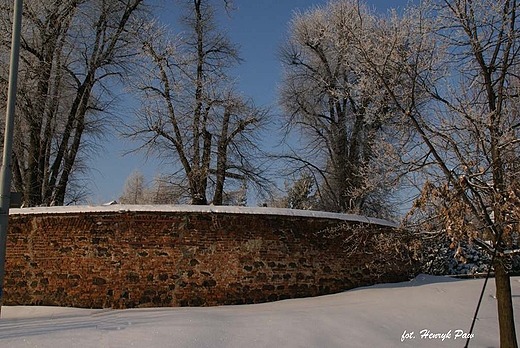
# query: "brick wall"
(143, 259)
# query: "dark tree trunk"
(221, 160)
(506, 319)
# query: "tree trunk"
(221, 160)
(198, 198)
(506, 319)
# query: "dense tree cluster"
(72, 51)
(345, 116)
(445, 75)
(191, 115)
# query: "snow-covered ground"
(376, 316)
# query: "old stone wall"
(125, 259)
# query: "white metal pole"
(5, 169)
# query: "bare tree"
(70, 50)
(190, 115)
(163, 191)
(135, 190)
(341, 112)
(301, 194)
(237, 197)
(456, 63)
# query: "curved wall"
(123, 256)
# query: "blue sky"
(258, 27)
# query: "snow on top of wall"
(113, 207)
